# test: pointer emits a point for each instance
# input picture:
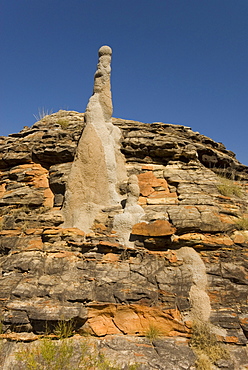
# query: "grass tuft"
(152, 333)
(64, 329)
(42, 113)
(229, 188)
(242, 223)
(64, 123)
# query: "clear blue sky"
(178, 61)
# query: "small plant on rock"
(64, 123)
(42, 113)
(152, 332)
(64, 329)
(242, 223)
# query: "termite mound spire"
(99, 166)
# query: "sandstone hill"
(122, 228)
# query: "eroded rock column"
(98, 166)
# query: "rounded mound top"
(105, 49)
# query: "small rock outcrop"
(122, 228)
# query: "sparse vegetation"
(228, 188)
(64, 329)
(206, 346)
(152, 332)
(64, 123)
(42, 113)
(203, 362)
(47, 354)
(64, 355)
(133, 367)
(242, 223)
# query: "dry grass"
(64, 329)
(206, 346)
(47, 354)
(229, 188)
(64, 123)
(203, 362)
(42, 113)
(242, 223)
(152, 333)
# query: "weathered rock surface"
(51, 273)
(158, 240)
(170, 354)
(99, 165)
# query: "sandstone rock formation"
(122, 226)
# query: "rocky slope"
(187, 257)
(167, 249)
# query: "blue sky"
(177, 61)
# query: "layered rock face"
(123, 226)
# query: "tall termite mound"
(99, 166)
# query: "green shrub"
(47, 354)
(61, 355)
(64, 329)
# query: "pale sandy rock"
(132, 213)
(98, 167)
(199, 299)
